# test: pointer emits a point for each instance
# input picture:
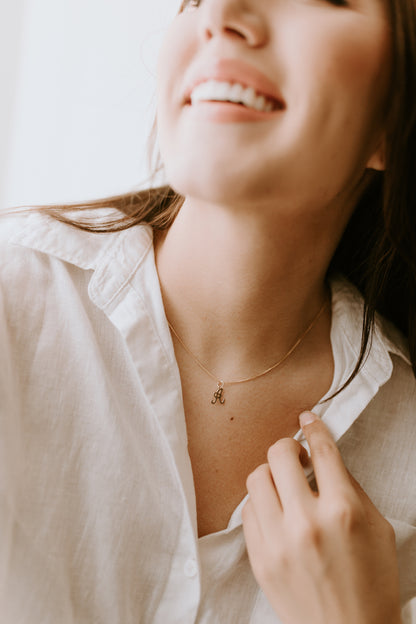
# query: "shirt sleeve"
(11, 453)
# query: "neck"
(240, 289)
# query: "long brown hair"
(378, 249)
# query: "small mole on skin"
(232, 418)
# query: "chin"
(220, 180)
(214, 189)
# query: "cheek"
(359, 68)
(166, 65)
(174, 58)
(347, 75)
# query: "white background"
(77, 96)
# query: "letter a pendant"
(219, 394)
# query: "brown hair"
(378, 249)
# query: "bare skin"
(320, 558)
(226, 442)
(239, 324)
(239, 289)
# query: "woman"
(150, 369)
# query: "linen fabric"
(97, 503)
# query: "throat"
(231, 304)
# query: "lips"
(233, 72)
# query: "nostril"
(233, 21)
(233, 31)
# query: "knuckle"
(325, 449)
(345, 515)
(282, 447)
(257, 476)
(308, 536)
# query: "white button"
(190, 568)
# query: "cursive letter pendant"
(218, 394)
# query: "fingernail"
(306, 418)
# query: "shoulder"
(47, 266)
(25, 232)
(348, 307)
(379, 447)
(379, 443)
(37, 245)
(35, 253)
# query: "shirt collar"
(339, 412)
(115, 258)
(45, 234)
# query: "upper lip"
(233, 71)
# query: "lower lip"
(225, 112)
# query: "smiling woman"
(332, 66)
(164, 349)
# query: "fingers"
(285, 460)
(328, 562)
(280, 489)
(251, 526)
(332, 477)
(265, 501)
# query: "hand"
(320, 558)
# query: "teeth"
(236, 92)
(218, 91)
(222, 90)
(260, 103)
(250, 98)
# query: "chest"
(227, 441)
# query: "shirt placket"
(132, 314)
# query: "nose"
(240, 19)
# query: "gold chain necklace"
(219, 393)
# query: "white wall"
(11, 16)
(80, 96)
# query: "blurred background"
(78, 96)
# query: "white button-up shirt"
(97, 502)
